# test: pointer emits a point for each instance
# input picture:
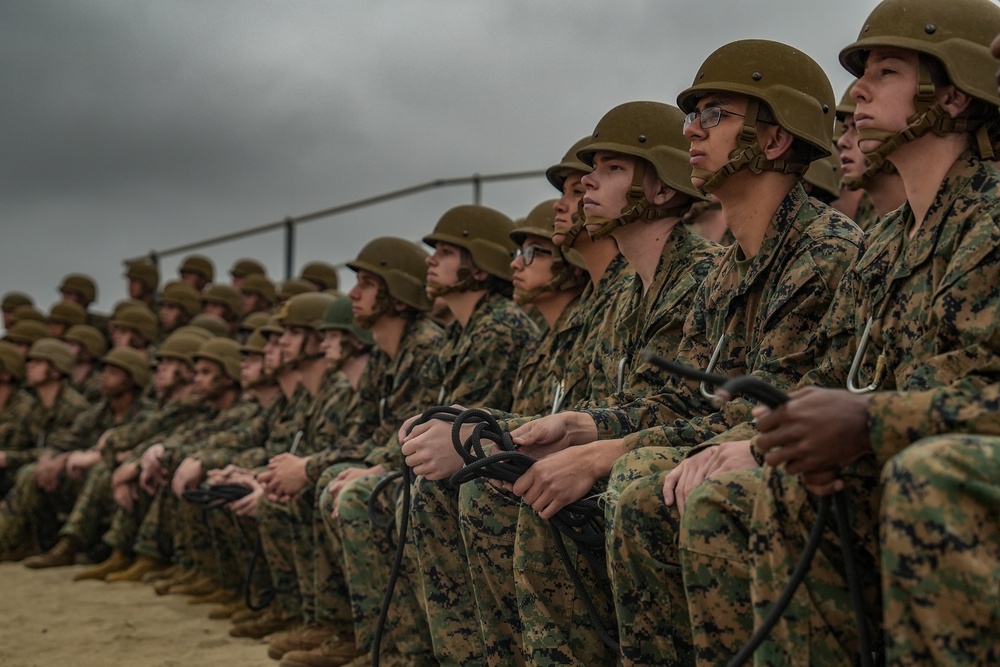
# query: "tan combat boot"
(139, 567)
(218, 596)
(118, 561)
(304, 638)
(61, 555)
(181, 577)
(271, 621)
(200, 585)
(334, 652)
(227, 610)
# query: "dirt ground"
(48, 619)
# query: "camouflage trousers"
(93, 509)
(940, 533)
(644, 563)
(193, 537)
(530, 608)
(742, 535)
(30, 514)
(443, 566)
(368, 545)
(155, 537)
(125, 524)
(278, 532)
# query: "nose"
(588, 181)
(694, 128)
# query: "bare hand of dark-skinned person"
(815, 434)
(692, 471)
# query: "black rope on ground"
(772, 397)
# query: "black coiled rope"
(762, 392)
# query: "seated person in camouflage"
(918, 315)
(143, 280)
(64, 315)
(223, 302)
(216, 384)
(881, 184)
(81, 289)
(29, 515)
(124, 374)
(134, 326)
(637, 193)
(243, 269)
(11, 300)
(756, 314)
(197, 271)
(88, 345)
(14, 405)
(390, 301)
(178, 304)
(258, 294)
(172, 386)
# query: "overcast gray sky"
(137, 125)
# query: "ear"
(657, 192)
(953, 100)
(479, 274)
(775, 141)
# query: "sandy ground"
(48, 619)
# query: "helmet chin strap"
(465, 283)
(563, 278)
(748, 154)
(579, 222)
(928, 116)
(636, 208)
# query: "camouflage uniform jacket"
(866, 217)
(90, 424)
(580, 379)
(655, 320)
(935, 300)
(250, 445)
(191, 437)
(90, 386)
(326, 431)
(45, 428)
(766, 312)
(154, 421)
(392, 390)
(13, 415)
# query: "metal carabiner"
(852, 375)
(703, 387)
(622, 369)
(558, 396)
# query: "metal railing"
(290, 223)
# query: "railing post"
(289, 247)
(477, 189)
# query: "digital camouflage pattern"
(940, 541)
(935, 302)
(45, 429)
(476, 368)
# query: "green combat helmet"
(54, 351)
(321, 274)
(212, 324)
(131, 362)
(82, 286)
(957, 34)
(557, 175)
(27, 312)
(223, 351)
(146, 273)
(227, 297)
(183, 296)
(11, 361)
(654, 132)
(485, 234)
(305, 311)
(253, 321)
(290, 288)
(402, 266)
(789, 82)
(247, 267)
(12, 300)
(181, 345)
(138, 319)
(824, 177)
(67, 313)
(88, 337)
(255, 343)
(259, 285)
(339, 315)
(566, 265)
(27, 332)
(199, 265)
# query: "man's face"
(608, 184)
(293, 342)
(567, 205)
(120, 336)
(171, 374)
(443, 264)
(364, 295)
(135, 289)
(251, 369)
(207, 376)
(170, 316)
(331, 345)
(273, 357)
(852, 160)
(711, 147)
(73, 297)
(884, 93)
(538, 273)
(114, 381)
(217, 309)
(36, 372)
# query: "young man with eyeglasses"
(750, 140)
(915, 328)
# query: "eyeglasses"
(712, 116)
(527, 253)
